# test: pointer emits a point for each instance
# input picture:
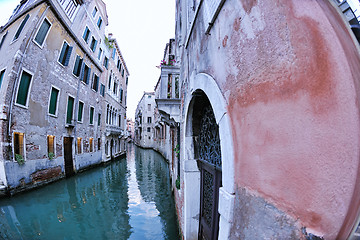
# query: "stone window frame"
(57, 101)
(2, 76)
(66, 112)
(54, 144)
(93, 117)
(23, 145)
(26, 106)
(47, 33)
(22, 28)
(82, 112)
(67, 55)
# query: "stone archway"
(203, 85)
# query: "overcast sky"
(142, 29)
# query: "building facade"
(52, 85)
(144, 121)
(269, 120)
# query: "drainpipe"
(20, 66)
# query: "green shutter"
(76, 66)
(40, 36)
(53, 101)
(70, 108)
(80, 113)
(23, 90)
(2, 73)
(85, 33)
(68, 55)
(62, 54)
(91, 115)
(17, 34)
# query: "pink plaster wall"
(294, 110)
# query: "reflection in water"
(124, 200)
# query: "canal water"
(128, 199)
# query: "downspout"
(20, 67)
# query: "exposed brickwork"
(46, 174)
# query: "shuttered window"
(121, 95)
(106, 63)
(40, 36)
(100, 52)
(53, 100)
(113, 53)
(94, 12)
(102, 90)
(77, 66)
(99, 22)
(23, 90)
(95, 84)
(85, 74)
(70, 108)
(80, 112)
(93, 44)
(2, 73)
(92, 115)
(99, 120)
(17, 34)
(3, 39)
(65, 54)
(86, 34)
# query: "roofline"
(120, 54)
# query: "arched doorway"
(208, 156)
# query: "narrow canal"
(128, 199)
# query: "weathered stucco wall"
(289, 71)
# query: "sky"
(142, 29)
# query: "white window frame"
(13, 145)
(29, 92)
(47, 34)
(91, 124)
(82, 114)
(57, 102)
(74, 108)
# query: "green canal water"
(128, 199)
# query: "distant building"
(130, 128)
(144, 121)
(54, 78)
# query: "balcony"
(114, 130)
(168, 93)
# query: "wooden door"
(68, 159)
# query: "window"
(79, 147)
(119, 123)
(80, 112)
(94, 12)
(148, 129)
(107, 148)
(51, 146)
(65, 54)
(99, 119)
(93, 44)
(110, 79)
(149, 107)
(149, 120)
(19, 144)
(42, 33)
(99, 22)
(77, 66)
(92, 115)
(17, 34)
(69, 111)
(122, 72)
(118, 64)
(3, 39)
(113, 53)
(86, 34)
(53, 101)
(121, 95)
(99, 143)
(115, 88)
(102, 90)
(23, 90)
(85, 75)
(95, 83)
(127, 80)
(2, 73)
(100, 52)
(106, 63)
(91, 143)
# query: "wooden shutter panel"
(53, 101)
(76, 66)
(70, 110)
(68, 55)
(88, 75)
(85, 33)
(23, 88)
(82, 77)
(81, 107)
(40, 36)
(3, 39)
(62, 54)
(91, 115)
(97, 83)
(17, 34)
(121, 95)
(2, 73)
(95, 45)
